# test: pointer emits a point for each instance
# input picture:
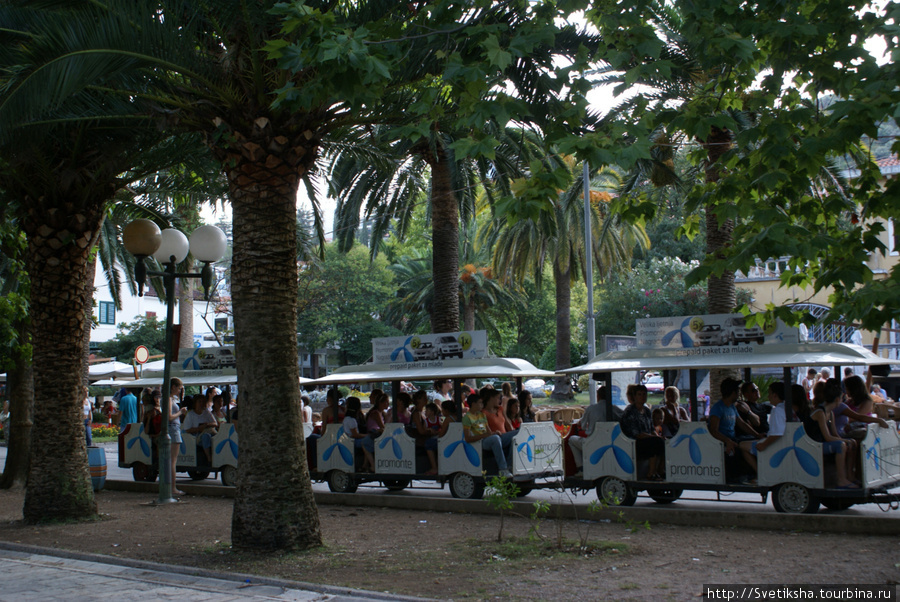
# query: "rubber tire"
(614, 488)
(837, 503)
(143, 473)
(792, 498)
(525, 488)
(198, 475)
(665, 496)
(228, 474)
(341, 482)
(464, 486)
(396, 484)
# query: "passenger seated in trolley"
(592, 415)
(750, 410)
(776, 423)
(673, 412)
(820, 426)
(360, 440)
(724, 420)
(203, 424)
(637, 424)
(475, 428)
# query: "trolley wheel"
(837, 503)
(144, 473)
(525, 488)
(198, 475)
(665, 496)
(794, 499)
(228, 474)
(615, 492)
(396, 484)
(341, 482)
(464, 486)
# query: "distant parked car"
(655, 384)
(712, 334)
(425, 351)
(447, 346)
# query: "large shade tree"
(216, 69)
(557, 237)
(66, 149)
(801, 69)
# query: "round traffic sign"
(141, 354)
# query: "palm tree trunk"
(186, 314)
(274, 507)
(720, 289)
(445, 242)
(562, 388)
(468, 314)
(59, 246)
(20, 380)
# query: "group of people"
(489, 415)
(835, 414)
(200, 415)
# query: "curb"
(147, 565)
(766, 520)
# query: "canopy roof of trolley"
(491, 367)
(189, 381)
(740, 356)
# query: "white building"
(205, 314)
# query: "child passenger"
(475, 428)
(658, 416)
(432, 425)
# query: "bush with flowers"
(653, 290)
(104, 431)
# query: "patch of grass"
(519, 549)
(629, 586)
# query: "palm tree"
(478, 289)
(62, 164)
(383, 176)
(558, 237)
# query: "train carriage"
(535, 452)
(793, 469)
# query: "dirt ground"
(448, 556)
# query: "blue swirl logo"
(622, 458)
(145, 448)
(346, 454)
(395, 445)
(804, 458)
(527, 447)
(471, 454)
(683, 332)
(693, 447)
(230, 442)
(872, 453)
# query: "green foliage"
(528, 326)
(149, 332)
(794, 86)
(339, 303)
(651, 291)
(499, 494)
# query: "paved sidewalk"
(26, 575)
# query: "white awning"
(110, 370)
(189, 381)
(736, 356)
(497, 367)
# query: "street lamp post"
(142, 238)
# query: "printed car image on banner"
(430, 347)
(717, 330)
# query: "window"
(107, 312)
(221, 324)
(150, 314)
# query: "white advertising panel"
(715, 333)
(395, 451)
(695, 456)
(536, 449)
(429, 350)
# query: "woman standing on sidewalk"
(174, 417)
